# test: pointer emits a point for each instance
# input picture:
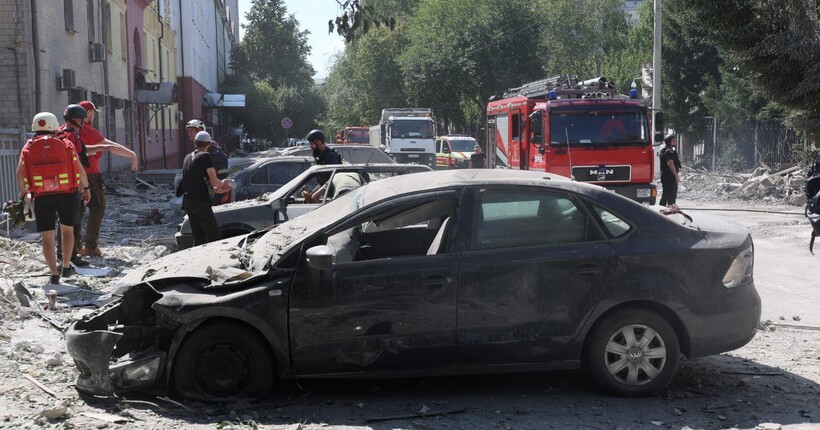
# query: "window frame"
(580, 205)
(68, 14)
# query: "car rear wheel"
(223, 361)
(633, 353)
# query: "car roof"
(282, 159)
(370, 168)
(443, 179)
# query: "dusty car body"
(448, 272)
(286, 202)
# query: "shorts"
(49, 207)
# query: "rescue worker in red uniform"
(50, 172)
(95, 144)
(74, 116)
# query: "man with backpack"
(50, 173)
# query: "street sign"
(286, 122)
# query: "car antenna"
(569, 154)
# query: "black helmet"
(669, 137)
(316, 134)
(74, 111)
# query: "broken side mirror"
(277, 204)
(320, 257)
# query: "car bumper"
(93, 352)
(641, 193)
(725, 324)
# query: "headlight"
(740, 272)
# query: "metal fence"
(742, 148)
(11, 142)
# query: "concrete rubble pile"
(763, 184)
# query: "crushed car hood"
(263, 200)
(217, 262)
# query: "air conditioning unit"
(117, 103)
(96, 52)
(67, 81)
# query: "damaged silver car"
(449, 272)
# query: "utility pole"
(656, 62)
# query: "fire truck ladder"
(542, 87)
(566, 87)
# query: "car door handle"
(437, 281)
(588, 269)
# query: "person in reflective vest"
(49, 172)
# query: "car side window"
(507, 218)
(612, 223)
(260, 176)
(284, 172)
(424, 229)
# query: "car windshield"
(421, 128)
(463, 145)
(595, 128)
(358, 136)
(271, 246)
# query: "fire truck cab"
(583, 130)
(353, 136)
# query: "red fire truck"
(580, 129)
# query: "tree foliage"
(271, 68)
(773, 46)
(577, 36)
(273, 48)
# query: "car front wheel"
(633, 353)
(223, 361)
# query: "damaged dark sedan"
(439, 273)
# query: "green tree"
(774, 47)
(366, 79)
(577, 36)
(625, 65)
(271, 68)
(273, 48)
(461, 53)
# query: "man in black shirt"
(321, 152)
(198, 179)
(478, 160)
(670, 170)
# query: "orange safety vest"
(50, 166)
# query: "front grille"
(602, 173)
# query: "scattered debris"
(116, 419)
(416, 415)
(41, 386)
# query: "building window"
(92, 34)
(106, 24)
(123, 38)
(68, 10)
